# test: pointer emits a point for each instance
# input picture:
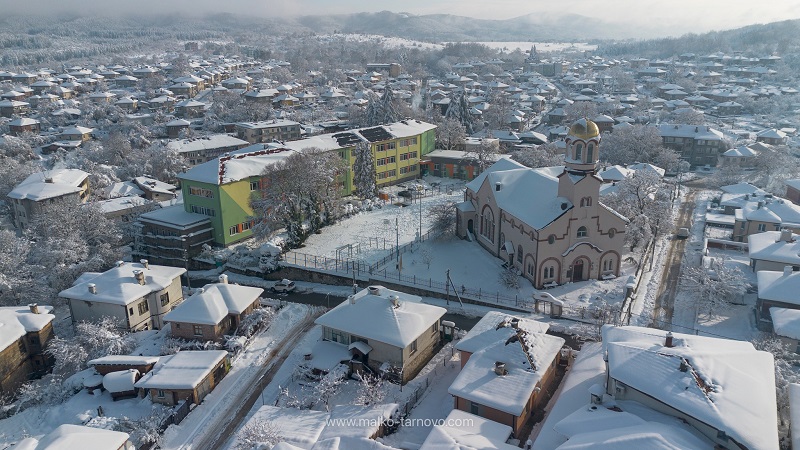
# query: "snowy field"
(540, 46)
(390, 42)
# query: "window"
(143, 307)
(413, 347)
(413, 141)
(201, 192)
(198, 330)
(391, 145)
(762, 227)
(531, 269)
(255, 186)
(130, 311)
(611, 233)
(578, 151)
(582, 232)
(435, 328)
(487, 225)
(161, 393)
(519, 253)
(165, 299)
(474, 408)
(590, 152)
(203, 210)
(392, 159)
(551, 239)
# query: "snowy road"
(222, 412)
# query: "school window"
(413, 347)
(404, 170)
(391, 159)
(380, 162)
(198, 330)
(201, 192)
(413, 141)
(380, 147)
(391, 145)
(203, 210)
(143, 307)
(165, 299)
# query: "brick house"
(187, 375)
(213, 311)
(24, 334)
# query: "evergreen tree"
(374, 113)
(389, 111)
(459, 110)
(364, 171)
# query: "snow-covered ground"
(390, 42)
(242, 374)
(540, 46)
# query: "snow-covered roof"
(122, 189)
(771, 210)
(76, 436)
(183, 370)
(473, 432)
(526, 355)
(398, 325)
(517, 182)
(209, 142)
(694, 131)
(118, 285)
(786, 322)
(615, 173)
(267, 124)
(213, 303)
(741, 151)
(123, 360)
(779, 286)
(153, 185)
(728, 384)
(298, 427)
(647, 167)
(121, 381)
(174, 216)
(485, 332)
(51, 184)
(647, 435)
(238, 165)
(768, 246)
(355, 421)
(16, 321)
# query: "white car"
(283, 286)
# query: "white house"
(774, 250)
(76, 436)
(385, 329)
(39, 190)
(136, 294)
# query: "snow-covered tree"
(450, 133)
(370, 391)
(485, 153)
(545, 155)
(389, 107)
(459, 110)
(373, 115)
(444, 218)
(714, 287)
(786, 373)
(257, 435)
(645, 200)
(364, 176)
(580, 110)
(638, 143)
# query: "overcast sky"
(684, 15)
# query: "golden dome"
(584, 129)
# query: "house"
(453, 164)
(399, 338)
(776, 289)
(213, 311)
(172, 236)
(11, 108)
(741, 156)
(462, 430)
(116, 363)
(40, 190)
(76, 133)
(187, 375)
(24, 335)
(507, 363)
(548, 222)
(121, 384)
(137, 295)
(760, 213)
(189, 109)
(268, 131)
(772, 137)
(793, 191)
(774, 250)
(124, 209)
(24, 125)
(698, 144)
(155, 190)
(724, 389)
(206, 148)
(76, 436)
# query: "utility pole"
(397, 238)
(420, 218)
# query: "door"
(470, 226)
(577, 271)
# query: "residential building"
(453, 164)
(120, 384)
(743, 157)
(155, 190)
(547, 222)
(462, 430)
(401, 333)
(760, 213)
(268, 131)
(116, 363)
(698, 144)
(187, 375)
(701, 381)
(26, 332)
(23, 125)
(78, 436)
(137, 295)
(189, 109)
(41, 190)
(213, 311)
(11, 108)
(177, 126)
(772, 137)
(172, 236)
(507, 366)
(793, 191)
(774, 250)
(776, 289)
(206, 148)
(76, 133)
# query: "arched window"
(551, 239)
(487, 224)
(590, 152)
(582, 232)
(612, 232)
(578, 151)
(588, 201)
(583, 202)
(519, 253)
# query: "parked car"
(406, 194)
(283, 285)
(682, 233)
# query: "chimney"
(92, 288)
(352, 299)
(515, 323)
(139, 276)
(145, 263)
(375, 290)
(223, 279)
(668, 341)
(684, 367)
(787, 270)
(34, 308)
(48, 180)
(500, 368)
(760, 204)
(498, 186)
(786, 235)
(120, 263)
(395, 300)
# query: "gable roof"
(119, 287)
(183, 370)
(212, 303)
(768, 246)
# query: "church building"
(547, 222)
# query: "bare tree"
(257, 433)
(714, 287)
(786, 374)
(645, 200)
(450, 133)
(545, 155)
(580, 110)
(485, 153)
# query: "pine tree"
(374, 113)
(459, 110)
(389, 111)
(364, 171)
